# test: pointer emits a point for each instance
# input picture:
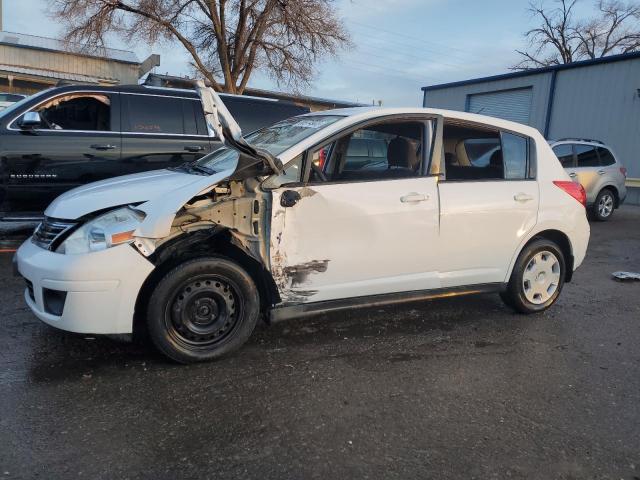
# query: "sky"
(399, 46)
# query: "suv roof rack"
(580, 140)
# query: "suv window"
(587, 156)
(564, 152)
(154, 114)
(78, 111)
(606, 157)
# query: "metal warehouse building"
(597, 99)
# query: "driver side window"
(85, 111)
(386, 151)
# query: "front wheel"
(537, 277)
(203, 309)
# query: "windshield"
(274, 139)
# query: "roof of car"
(366, 113)
(161, 91)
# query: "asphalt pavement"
(458, 388)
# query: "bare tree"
(560, 38)
(228, 40)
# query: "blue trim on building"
(552, 94)
(537, 71)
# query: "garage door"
(514, 105)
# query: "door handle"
(572, 175)
(522, 197)
(414, 197)
(103, 147)
(601, 172)
(194, 148)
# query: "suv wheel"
(203, 309)
(604, 205)
(537, 277)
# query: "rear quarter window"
(606, 157)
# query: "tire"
(203, 309)
(604, 205)
(537, 278)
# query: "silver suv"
(596, 168)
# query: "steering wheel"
(318, 172)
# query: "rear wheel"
(604, 205)
(537, 277)
(203, 309)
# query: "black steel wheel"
(202, 309)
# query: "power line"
(416, 47)
(410, 37)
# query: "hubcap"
(605, 205)
(541, 277)
(203, 311)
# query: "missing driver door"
(359, 232)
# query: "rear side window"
(587, 156)
(480, 150)
(154, 114)
(564, 153)
(606, 157)
(515, 152)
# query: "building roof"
(186, 82)
(536, 71)
(34, 42)
(48, 74)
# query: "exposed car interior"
(472, 153)
(378, 152)
(77, 112)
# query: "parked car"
(64, 137)
(263, 227)
(594, 165)
(8, 99)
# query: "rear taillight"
(623, 171)
(574, 189)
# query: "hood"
(221, 122)
(137, 188)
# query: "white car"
(438, 203)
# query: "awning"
(43, 74)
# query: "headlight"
(108, 230)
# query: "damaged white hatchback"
(325, 211)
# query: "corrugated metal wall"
(599, 101)
(455, 98)
(513, 105)
(62, 62)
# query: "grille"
(51, 232)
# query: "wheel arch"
(614, 190)
(202, 243)
(558, 237)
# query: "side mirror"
(30, 120)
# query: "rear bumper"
(98, 290)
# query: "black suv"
(68, 136)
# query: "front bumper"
(99, 289)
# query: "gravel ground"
(454, 388)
